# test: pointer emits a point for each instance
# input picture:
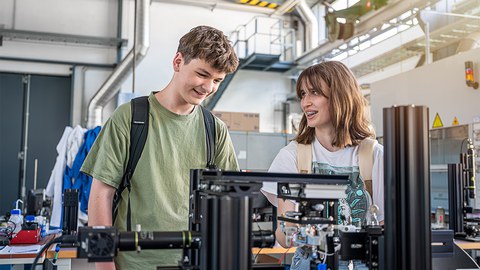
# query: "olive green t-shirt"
(160, 185)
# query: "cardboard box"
(239, 121)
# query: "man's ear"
(177, 61)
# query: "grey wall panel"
(239, 140)
(50, 99)
(255, 150)
(11, 98)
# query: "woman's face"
(315, 105)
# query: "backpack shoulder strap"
(365, 162)
(304, 158)
(138, 137)
(210, 136)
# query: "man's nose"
(208, 86)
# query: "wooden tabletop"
(275, 250)
(467, 244)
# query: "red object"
(26, 237)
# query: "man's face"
(197, 80)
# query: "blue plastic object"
(321, 266)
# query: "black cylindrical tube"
(209, 227)
(158, 240)
(70, 211)
(194, 217)
(263, 239)
(455, 197)
(407, 188)
(235, 233)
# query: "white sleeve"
(378, 182)
(284, 162)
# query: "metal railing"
(264, 35)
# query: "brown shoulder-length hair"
(346, 104)
(209, 44)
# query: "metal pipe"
(24, 144)
(407, 188)
(311, 25)
(35, 172)
(428, 58)
(112, 85)
(119, 28)
(285, 7)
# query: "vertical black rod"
(210, 232)
(194, 216)
(407, 188)
(245, 233)
(70, 211)
(228, 233)
(24, 142)
(119, 29)
(235, 232)
(455, 198)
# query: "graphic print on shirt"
(356, 204)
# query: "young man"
(175, 144)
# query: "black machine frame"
(220, 222)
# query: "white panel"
(34, 68)
(85, 17)
(58, 52)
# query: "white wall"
(440, 86)
(98, 18)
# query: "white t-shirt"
(344, 161)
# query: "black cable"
(258, 253)
(260, 230)
(44, 248)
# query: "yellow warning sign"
(437, 122)
(455, 121)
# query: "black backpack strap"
(210, 133)
(138, 137)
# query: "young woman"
(334, 123)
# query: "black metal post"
(209, 228)
(407, 188)
(194, 217)
(22, 155)
(70, 211)
(455, 198)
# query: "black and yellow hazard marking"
(259, 3)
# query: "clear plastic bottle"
(15, 221)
